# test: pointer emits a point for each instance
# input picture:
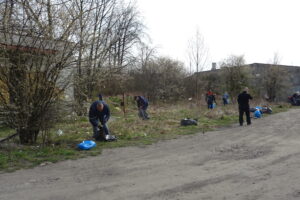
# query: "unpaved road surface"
(261, 161)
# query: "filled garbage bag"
(258, 107)
(104, 138)
(257, 114)
(267, 110)
(110, 138)
(187, 122)
(86, 144)
(263, 109)
(100, 136)
(295, 99)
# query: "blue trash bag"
(86, 145)
(257, 114)
(258, 107)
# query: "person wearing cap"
(99, 112)
(142, 104)
(243, 101)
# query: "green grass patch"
(5, 131)
(281, 107)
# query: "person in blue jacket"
(225, 98)
(99, 112)
(142, 104)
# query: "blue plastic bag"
(257, 114)
(258, 107)
(86, 145)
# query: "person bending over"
(99, 112)
(142, 104)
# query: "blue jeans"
(95, 124)
(143, 114)
(225, 101)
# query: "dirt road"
(261, 161)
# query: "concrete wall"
(292, 79)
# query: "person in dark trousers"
(225, 98)
(99, 112)
(142, 104)
(296, 98)
(243, 101)
(100, 97)
(210, 99)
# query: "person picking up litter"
(142, 104)
(99, 112)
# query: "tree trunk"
(28, 136)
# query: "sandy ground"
(261, 161)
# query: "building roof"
(30, 43)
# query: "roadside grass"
(5, 131)
(130, 130)
(283, 107)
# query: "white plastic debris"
(59, 132)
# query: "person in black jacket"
(243, 100)
(99, 111)
(210, 99)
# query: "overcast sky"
(254, 28)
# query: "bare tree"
(197, 54)
(146, 54)
(274, 79)
(234, 75)
(107, 31)
(128, 32)
(36, 55)
(161, 78)
(93, 37)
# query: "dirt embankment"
(261, 161)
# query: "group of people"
(99, 112)
(211, 99)
(243, 101)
